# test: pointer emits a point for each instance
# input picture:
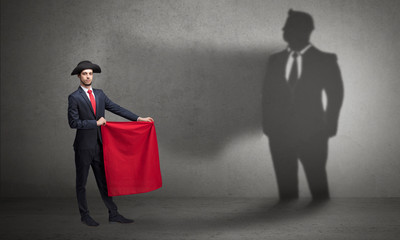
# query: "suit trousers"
(84, 159)
(286, 150)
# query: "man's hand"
(146, 119)
(101, 121)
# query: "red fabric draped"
(131, 158)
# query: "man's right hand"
(101, 121)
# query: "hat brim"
(96, 68)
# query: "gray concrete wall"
(197, 68)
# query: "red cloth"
(131, 158)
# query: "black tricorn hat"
(86, 65)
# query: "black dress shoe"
(119, 218)
(89, 221)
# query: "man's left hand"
(146, 119)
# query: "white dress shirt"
(299, 62)
(86, 91)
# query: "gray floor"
(204, 218)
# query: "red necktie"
(92, 101)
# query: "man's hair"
(299, 20)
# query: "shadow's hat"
(86, 65)
(299, 20)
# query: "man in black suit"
(295, 120)
(86, 111)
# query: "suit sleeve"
(334, 92)
(267, 96)
(120, 111)
(73, 116)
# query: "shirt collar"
(87, 89)
(302, 51)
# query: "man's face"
(86, 77)
(294, 36)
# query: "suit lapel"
(97, 98)
(282, 61)
(86, 99)
(308, 60)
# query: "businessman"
(297, 123)
(86, 112)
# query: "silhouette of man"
(295, 120)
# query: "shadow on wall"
(203, 95)
(200, 96)
(294, 118)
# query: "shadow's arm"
(335, 93)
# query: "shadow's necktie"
(293, 77)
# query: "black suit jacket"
(300, 109)
(81, 116)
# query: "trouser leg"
(99, 173)
(82, 165)
(284, 158)
(313, 155)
